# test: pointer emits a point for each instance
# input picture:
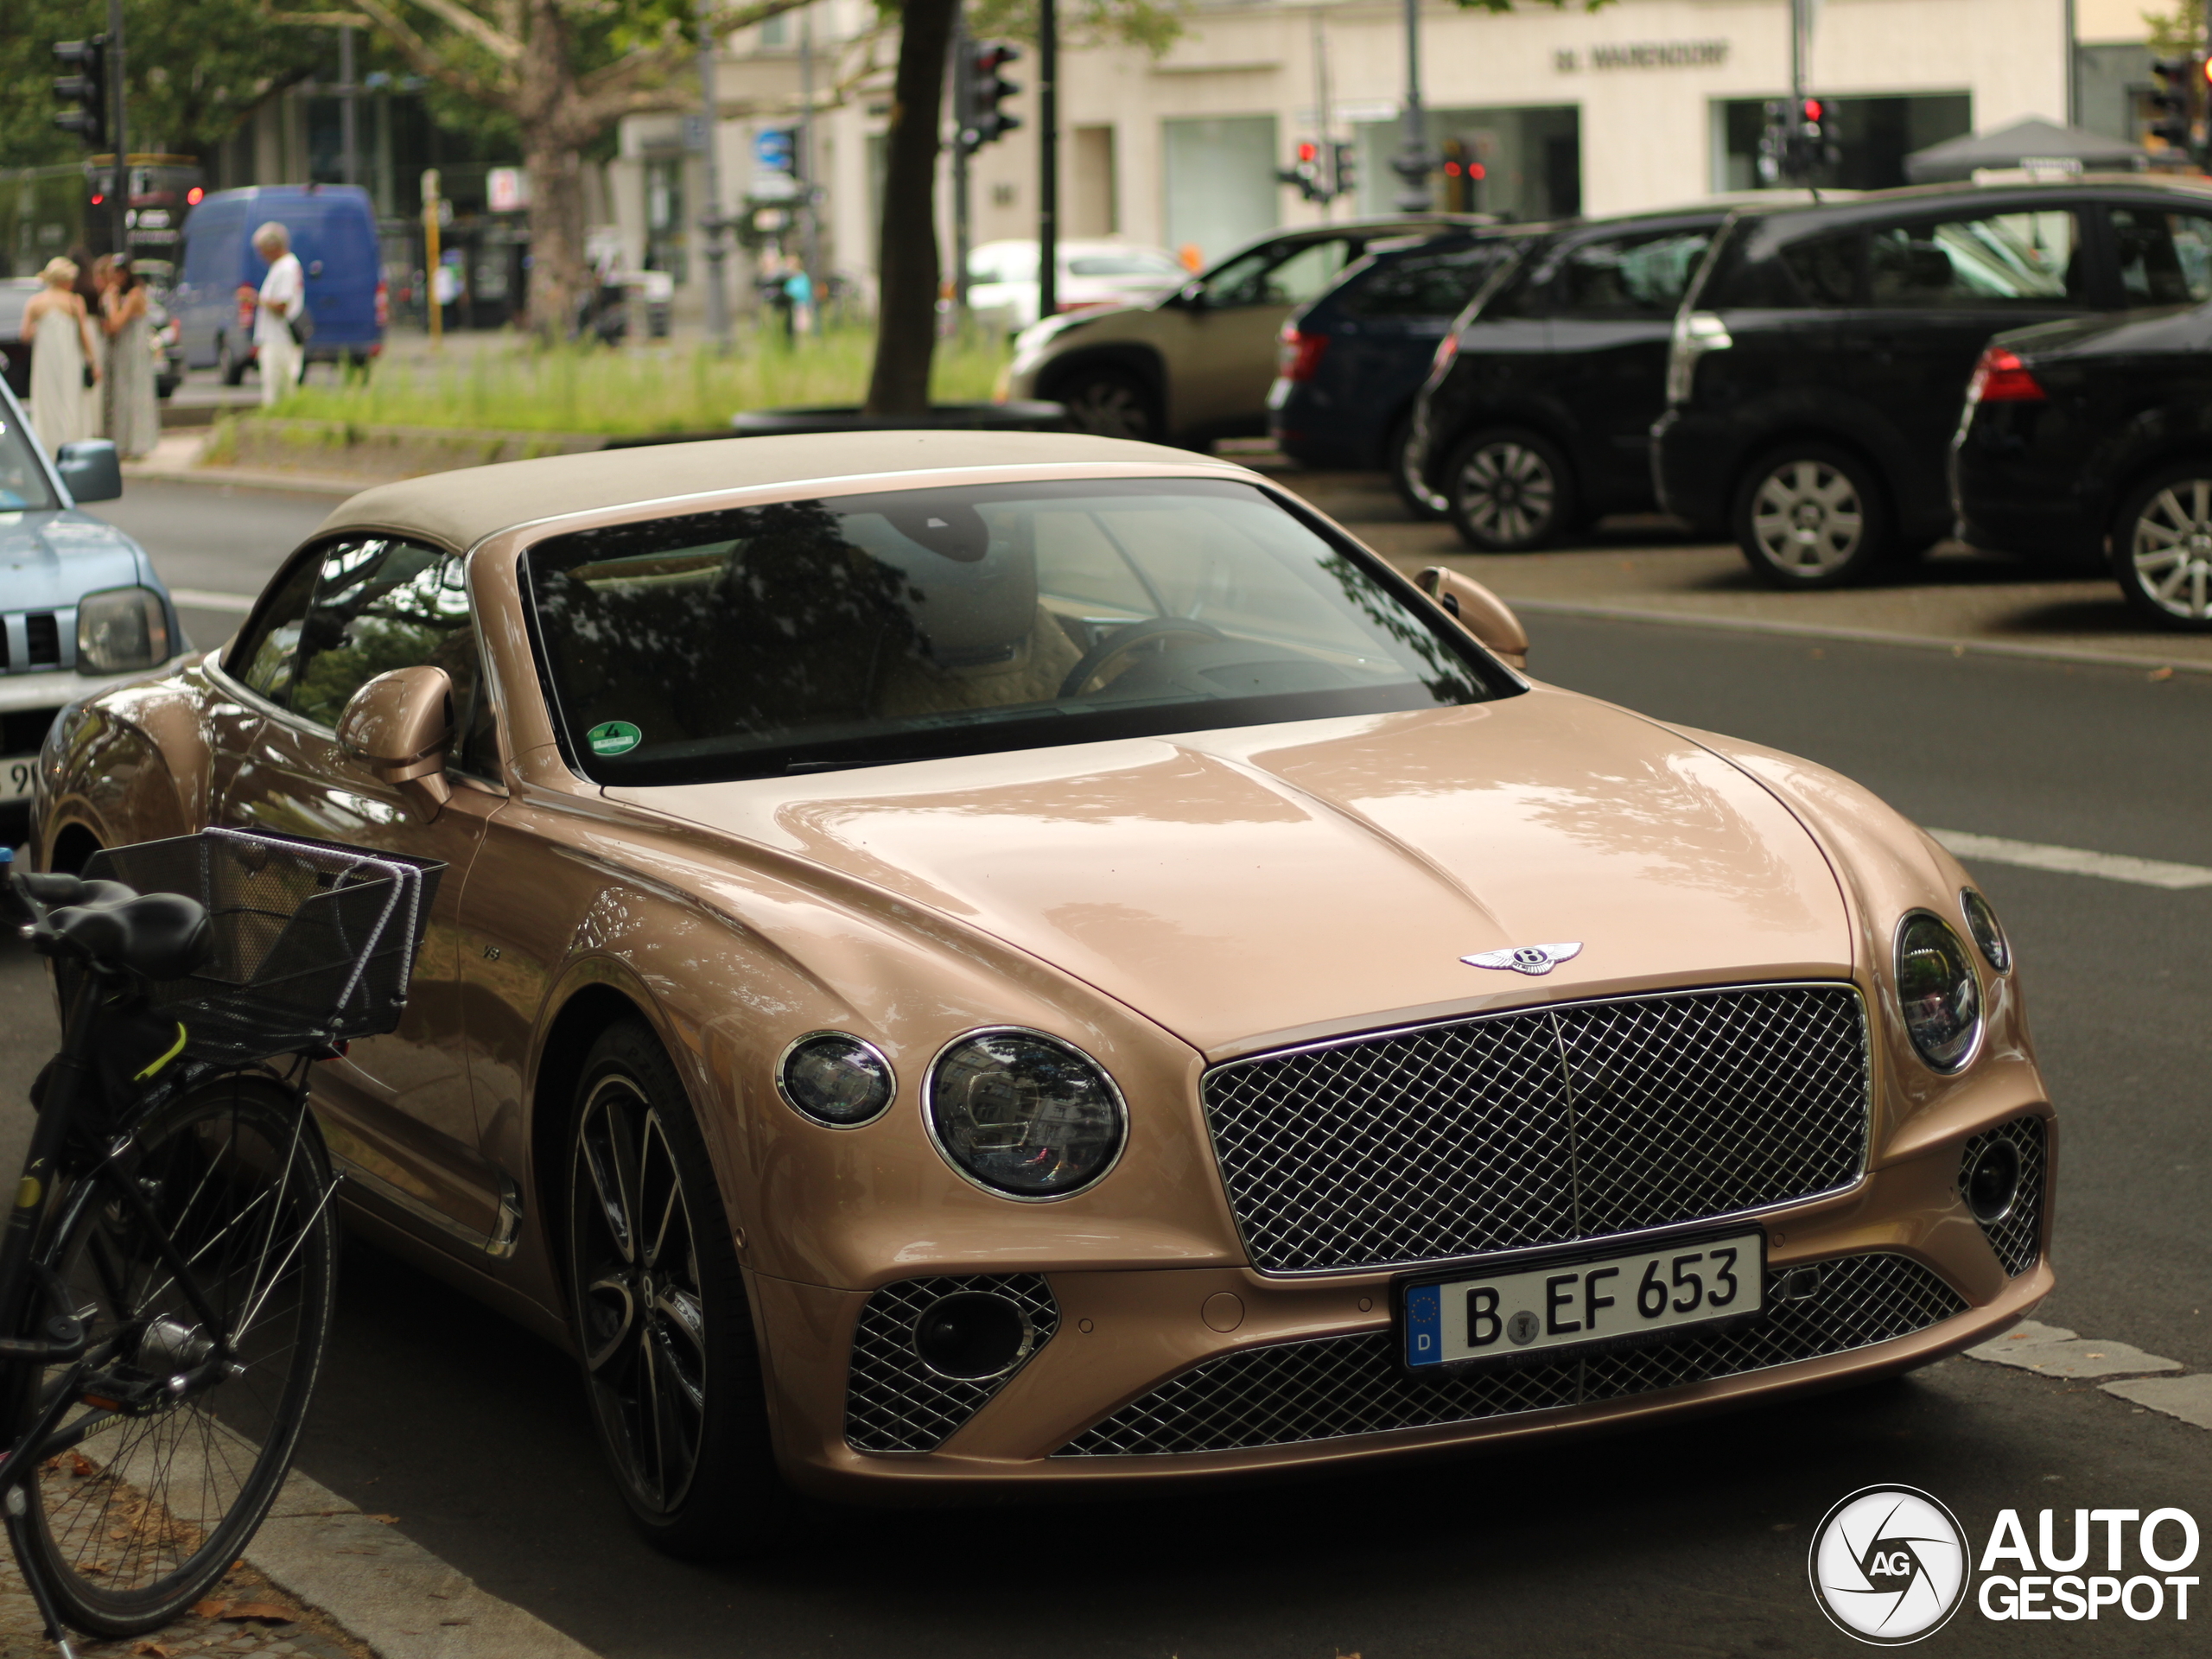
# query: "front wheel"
(1811, 515)
(2162, 547)
(661, 1319)
(1507, 490)
(163, 1468)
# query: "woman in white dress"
(62, 359)
(134, 413)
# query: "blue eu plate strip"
(1425, 1325)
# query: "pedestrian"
(798, 292)
(134, 414)
(62, 359)
(88, 289)
(278, 307)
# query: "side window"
(2005, 258)
(2164, 258)
(381, 604)
(1628, 275)
(263, 658)
(1268, 277)
(1825, 269)
(1424, 285)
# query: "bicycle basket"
(314, 941)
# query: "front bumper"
(1163, 1374)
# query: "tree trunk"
(905, 329)
(547, 108)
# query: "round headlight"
(835, 1079)
(121, 628)
(1981, 922)
(1937, 989)
(1024, 1113)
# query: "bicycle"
(168, 1268)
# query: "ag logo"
(1888, 1564)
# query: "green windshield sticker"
(614, 737)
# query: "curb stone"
(386, 1589)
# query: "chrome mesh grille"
(1342, 1386)
(2018, 1239)
(893, 1402)
(1542, 1126)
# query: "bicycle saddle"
(156, 936)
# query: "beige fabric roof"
(461, 508)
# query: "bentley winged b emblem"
(1527, 959)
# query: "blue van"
(333, 232)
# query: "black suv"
(2078, 435)
(1537, 415)
(1822, 353)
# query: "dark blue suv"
(1351, 362)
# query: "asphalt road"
(1689, 1539)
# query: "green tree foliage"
(2179, 32)
(194, 71)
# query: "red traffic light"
(1814, 109)
(192, 196)
(1308, 152)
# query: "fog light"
(973, 1336)
(1992, 1184)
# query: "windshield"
(22, 481)
(867, 629)
(1125, 264)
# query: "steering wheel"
(1121, 641)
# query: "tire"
(1109, 404)
(1509, 491)
(230, 368)
(679, 1398)
(2162, 547)
(1810, 515)
(143, 1516)
(1398, 458)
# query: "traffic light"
(1799, 139)
(2171, 103)
(1344, 172)
(84, 89)
(986, 88)
(1305, 174)
(1462, 174)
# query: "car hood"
(50, 560)
(1272, 884)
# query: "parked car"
(2091, 441)
(1821, 356)
(333, 233)
(1350, 362)
(1002, 278)
(1536, 416)
(80, 607)
(871, 1033)
(1195, 364)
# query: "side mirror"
(399, 724)
(1192, 297)
(1479, 610)
(91, 470)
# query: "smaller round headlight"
(1024, 1115)
(1992, 1182)
(1981, 922)
(1937, 989)
(835, 1079)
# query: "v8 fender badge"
(1527, 958)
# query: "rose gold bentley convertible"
(1037, 962)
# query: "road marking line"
(201, 599)
(2074, 860)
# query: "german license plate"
(17, 772)
(1583, 1301)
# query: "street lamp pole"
(1413, 164)
(1048, 160)
(119, 197)
(348, 131)
(712, 222)
(809, 193)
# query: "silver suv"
(80, 607)
(1195, 364)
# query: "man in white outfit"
(275, 307)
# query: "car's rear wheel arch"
(1136, 362)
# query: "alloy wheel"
(1108, 407)
(1508, 493)
(2171, 550)
(1808, 519)
(641, 1312)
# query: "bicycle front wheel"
(169, 1456)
